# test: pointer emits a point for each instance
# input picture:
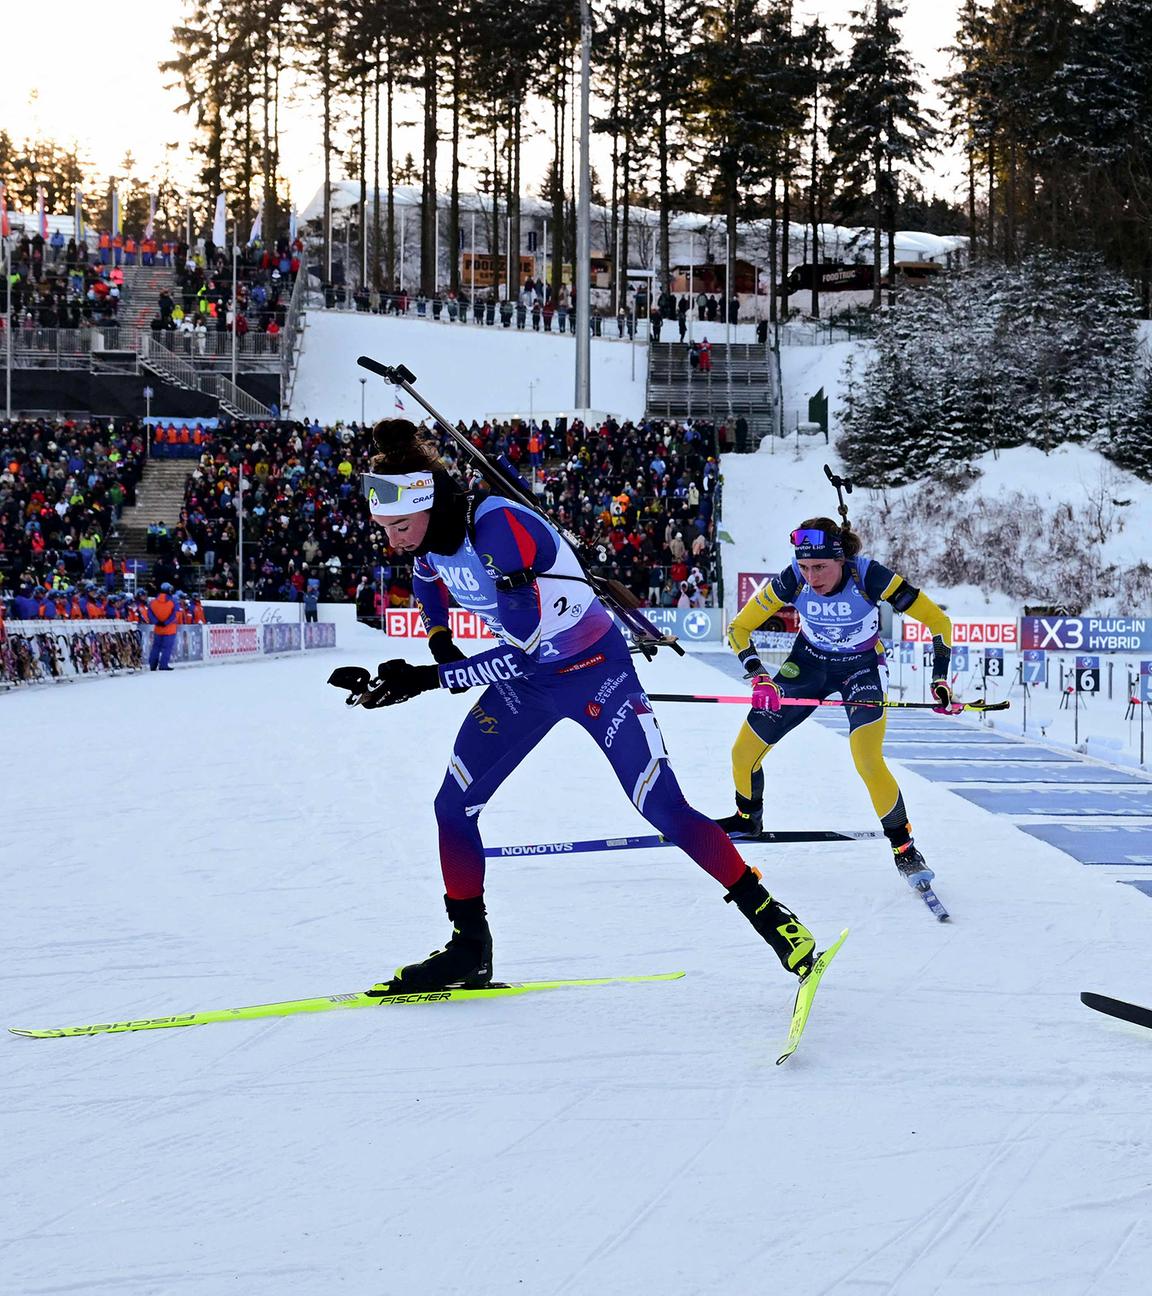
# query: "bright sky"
(108, 95)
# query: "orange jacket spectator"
(198, 617)
(163, 614)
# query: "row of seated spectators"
(640, 496)
(63, 484)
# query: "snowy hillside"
(955, 1121)
(1069, 525)
(464, 372)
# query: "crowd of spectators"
(640, 496)
(534, 305)
(203, 294)
(63, 484)
(59, 284)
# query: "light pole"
(148, 394)
(8, 331)
(584, 222)
(235, 330)
(240, 534)
(532, 384)
(363, 381)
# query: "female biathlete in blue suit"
(559, 657)
(835, 590)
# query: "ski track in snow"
(954, 1122)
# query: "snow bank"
(787, 476)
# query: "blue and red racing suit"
(559, 657)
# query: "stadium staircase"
(140, 295)
(742, 381)
(159, 498)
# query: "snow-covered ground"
(955, 1122)
(465, 372)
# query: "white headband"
(398, 494)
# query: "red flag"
(5, 229)
(43, 214)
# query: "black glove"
(399, 681)
(752, 664)
(353, 678)
(443, 647)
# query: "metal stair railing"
(157, 357)
(236, 400)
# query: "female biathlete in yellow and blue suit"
(835, 590)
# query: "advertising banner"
(280, 637)
(693, 625)
(1087, 634)
(319, 634)
(404, 623)
(233, 640)
(749, 584)
(986, 630)
(189, 644)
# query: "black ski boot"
(909, 861)
(791, 941)
(465, 962)
(748, 821)
(912, 865)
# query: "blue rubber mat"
(1146, 887)
(1005, 751)
(1119, 844)
(934, 733)
(1062, 800)
(963, 771)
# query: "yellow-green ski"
(805, 994)
(329, 1003)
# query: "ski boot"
(791, 941)
(748, 821)
(465, 962)
(911, 864)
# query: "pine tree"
(878, 129)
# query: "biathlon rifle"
(505, 481)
